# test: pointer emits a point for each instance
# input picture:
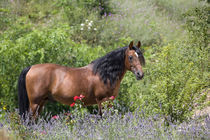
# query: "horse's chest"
(116, 90)
(112, 91)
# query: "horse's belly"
(66, 92)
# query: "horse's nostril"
(138, 73)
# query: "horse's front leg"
(99, 107)
(99, 102)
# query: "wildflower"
(112, 98)
(82, 24)
(72, 121)
(91, 21)
(71, 105)
(94, 29)
(67, 114)
(88, 28)
(43, 132)
(90, 24)
(4, 108)
(81, 29)
(76, 97)
(86, 20)
(81, 96)
(55, 117)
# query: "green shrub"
(5, 19)
(171, 83)
(175, 74)
(35, 47)
(197, 23)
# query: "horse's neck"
(121, 77)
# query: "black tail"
(22, 93)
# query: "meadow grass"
(141, 20)
(151, 21)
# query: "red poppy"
(71, 105)
(82, 96)
(55, 117)
(76, 97)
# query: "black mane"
(111, 66)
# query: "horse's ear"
(139, 44)
(131, 45)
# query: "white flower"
(86, 20)
(81, 29)
(90, 24)
(95, 29)
(88, 28)
(91, 21)
(82, 24)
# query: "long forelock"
(140, 55)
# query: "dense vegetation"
(174, 35)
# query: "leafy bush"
(5, 18)
(78, 10)
(197, 21)
(35, 47)
(175, 74)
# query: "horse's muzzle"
(139, 75)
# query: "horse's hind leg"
(37, 98)
(34, 110)
(41, 106)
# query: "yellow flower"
(72, 121)
(4, 108)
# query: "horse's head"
(134, 60)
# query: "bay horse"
(98, 81)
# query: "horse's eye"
(130, 58)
